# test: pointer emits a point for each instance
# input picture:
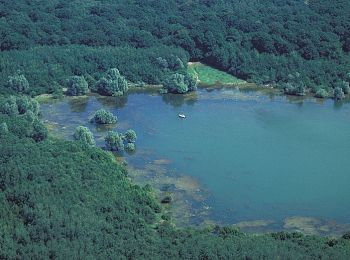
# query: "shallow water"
(249, 155)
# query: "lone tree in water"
(18, 83)
(77, 86)
(112, 84)
(104, 117)
(84, 135)
(114, 141)
(130, 136)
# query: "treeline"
(63, 199)
(47, 69)
(264, 42)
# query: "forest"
(297, 45)
(65, 199)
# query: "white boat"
(182, 116)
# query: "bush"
(296, 90)
(130, 136)
(40, 131)
(114, 141)
(84, 135)
(77, 86)
(180, 83)
(338, 93)
(112, 84)
(130, 147)
(18, 83)
(3, 128)
(321, 93)
(104, 117)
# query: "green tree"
(112, 84)
(18, 83)
(175, 83)
(321, 93)
(338, 93)
(130, 147)
(84, 135)
(9, 106)
(77, 86)
(40, 131)
(3, 128)
(114, 141)
(103, 116)
(25, 104)
(130, 136)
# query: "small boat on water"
(182, 116)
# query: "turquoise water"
(258, 156)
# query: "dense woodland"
(65, 199)
(273, 41)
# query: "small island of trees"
(103, 116)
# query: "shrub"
(3, 128)
(130, 136)
(18, 83)
(112, 84)
(114, 141)
(77, 85)
(321, 93)
(180, 83)
(104, 117)
(338, 93)
(84, 135)
(130, 147)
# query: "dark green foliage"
(130, 136)
(77, 86)
(114, 141)
(103, 116)
(262, 42)
(21, 116)
(3, 128)
(47, 68)
(84, 135)
(112, 84)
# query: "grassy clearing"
(211, 76)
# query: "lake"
(264, 161)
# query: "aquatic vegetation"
(130, 136)
(103, 116)
(114, 141)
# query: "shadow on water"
(177, 100)
(78, 104)
(113, 102)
